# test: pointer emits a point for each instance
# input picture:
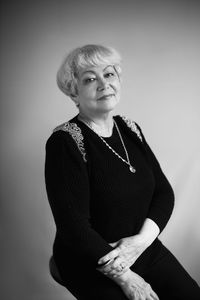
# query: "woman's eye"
(110, 74)
(89, 80)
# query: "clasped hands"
(122, 257)
(116, 265)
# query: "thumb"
(111, 255)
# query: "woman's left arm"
(128, 249)
(162, 203)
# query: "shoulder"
(132, 125)
(68, 134)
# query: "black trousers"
(166, 276)
(170, 280)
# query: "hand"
(135, 287)
(126, 252)
(114, 267)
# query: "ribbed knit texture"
(101, 201)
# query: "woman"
(109, 197)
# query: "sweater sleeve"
(68, 191)
(163, 197)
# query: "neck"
(102, 124)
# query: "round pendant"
(132, 169)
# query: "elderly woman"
(108, 195)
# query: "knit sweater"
(95, 199)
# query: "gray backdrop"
(160, 45)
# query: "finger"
(111, 255)
(113, 268)
(116, 268)
(154, 295)
(107, 268)
(137, 295)
(151, 294)
(118, 272)
(113, 244)
(118, 264)
(150, 297)
(142, 295)
(112, 273)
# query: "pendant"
(133, 170)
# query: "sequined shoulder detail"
(76, 134)
(132, 125)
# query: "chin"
(108, 105)
(107, 108)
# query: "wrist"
(145, 240)
(149, 232)
(122, 279)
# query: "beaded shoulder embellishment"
(131, 124)
(76, 134)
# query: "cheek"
(90, 93)
(118, 87)
(85, 92)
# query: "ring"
(122, 266)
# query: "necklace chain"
(131, 168)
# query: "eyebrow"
(91, 71)
(88, 71)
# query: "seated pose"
(108, 194)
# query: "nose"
(102, 84)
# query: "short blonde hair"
(82, 57)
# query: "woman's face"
(98, 90)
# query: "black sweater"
(94, 197)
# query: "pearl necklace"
(127, 160)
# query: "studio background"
(160, 45)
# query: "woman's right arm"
(135, 287)
(68, 191)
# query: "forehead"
(95, 69)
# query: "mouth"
(106, 97)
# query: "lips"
(105, 97)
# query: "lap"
(170, 280)
(88, 284)
(165, 274)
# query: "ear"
(75, 99)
